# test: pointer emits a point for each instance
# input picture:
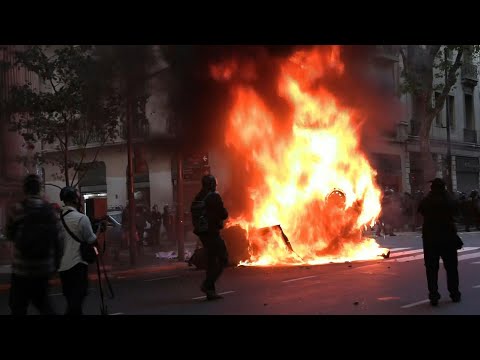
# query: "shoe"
(434, 299)
(456, 298)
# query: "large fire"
(315, 183)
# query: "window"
(386, 78)
(467, 55)
(469, 115)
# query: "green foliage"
(78, 102)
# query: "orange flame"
(293, 177)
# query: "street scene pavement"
(392, 286)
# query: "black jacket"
(216, 212)
(438, 210)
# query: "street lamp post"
(449, 146)
(180, 209)
(130, 186)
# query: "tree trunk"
(65, 157)
(425, 122)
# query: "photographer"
(73, 269)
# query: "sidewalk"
(149, 260)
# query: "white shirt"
(79, 224)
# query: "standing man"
(440, 237)
(73, 269)
(156, 221)
(208, 215)
(32, 225)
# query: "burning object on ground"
(267, 232)
(336, 199)
(317, 141)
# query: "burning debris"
(303, 166)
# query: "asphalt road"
(394, 286)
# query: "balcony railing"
(469, 74)
(470, 136)
(80, 138)
(141, 131)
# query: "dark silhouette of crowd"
(399, 211)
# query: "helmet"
(209, 182)
(69, 194)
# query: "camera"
(99, 225)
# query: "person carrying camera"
(73, 269)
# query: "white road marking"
(305, 277)
(204, 296)
(162, 278)
(415, 304)
(117, 314)
(386, 298)
(476, 286)
(420, 256)
(469, 256)
(398, 249)
(476, 262)
(401, 253)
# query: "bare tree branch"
(49, 184)
(80, 177)
(449, 82)
(53, 86)
(84, 150)
(62, 143)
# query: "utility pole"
(130, 186)
(449, 145)
(180, 209)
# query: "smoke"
(201, 104)
(367, 87)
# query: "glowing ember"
(315, 182)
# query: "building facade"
(395, 159)
(11, 144)
(399, 166)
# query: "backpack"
(199, 215)
(36, 231)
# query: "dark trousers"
(75, 287)
(26, 289)
(448, 254)
(217, 258)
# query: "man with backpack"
(73, 269)
(32, 225)
(208, 214)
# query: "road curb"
(115, 274)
